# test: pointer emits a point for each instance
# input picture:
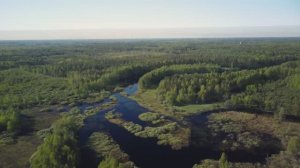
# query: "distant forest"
(238, 74)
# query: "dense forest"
(50, 89)
(214, 87)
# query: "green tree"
(13, 124)
(109, 162)
(181, 97)
(60, 148)
(223, 163)
(202, 93)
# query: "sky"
(54, 19)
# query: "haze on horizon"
(114, 19)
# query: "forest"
(245, 88)
(70, 104)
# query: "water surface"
(144, 152)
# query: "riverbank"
(148, 98)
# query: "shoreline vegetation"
(108, 151)
(150, 100)
(165, 131)
(61, 141)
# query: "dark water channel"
(145, 153)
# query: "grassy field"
(193, 109)
(150, 100)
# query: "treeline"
(152, 78)
(63, 67)
(213, 87)
(60, 148)
(58, 57)
(84, 83)
(281, 97)
(119, 75)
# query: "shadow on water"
(145, 152)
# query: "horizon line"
(156, 28)
(162, 38)
(153, 33)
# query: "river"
(144, 152)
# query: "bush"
(293, 145)
(109, 162)
(149, 116)
(10, 120)
(223, 163)
(132, 127)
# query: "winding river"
(144, 152)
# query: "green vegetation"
(117, 75)
(111, 115)
(21, 89)
(191, 109)
(93, 111)
(152, 78)
(281, 160)
(274, 89)
(60, 142)
(10, 121)
(293, 145)
(109, 151)
(207, 163)
(150, 99)
(167, 133)
(60, 148)
(116, 118)
(39, 80)
(156, 131)
(23, 144)
(153, 118)
(231, 127)
(233, 131)
(214, 87)
(278, 97)
(223, 163)
(109, 162)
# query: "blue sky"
(145, 14)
